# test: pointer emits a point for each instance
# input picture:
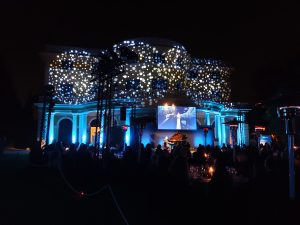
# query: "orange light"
(260, 128)
(211, 170)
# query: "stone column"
(223, 130)
(238, 133)
(127, 122)
(207, 119)
(51, 128)
(82, 128)
(243, 129)
(74, 128)
(218, 128)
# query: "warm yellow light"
(211, 170)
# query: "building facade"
(164, 75)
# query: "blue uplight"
(127, 138)
(83, 139)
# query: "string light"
(70, 74)
(167, 69)
(210, 81)
(159, 71)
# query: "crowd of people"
(175, 162)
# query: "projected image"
(176, 118)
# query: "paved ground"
(37, 195)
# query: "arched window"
(65, 131)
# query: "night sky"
(261, 41)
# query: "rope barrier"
(117, 205)
(81, 193)
(77, 191)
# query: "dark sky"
(260, 40)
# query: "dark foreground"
(38, 195)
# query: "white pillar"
(51, 128)
(218, 128)
(207, 119)
(74, 128)
(223, 130)
(127, 122)
(246, 133)
(238, 132)
(243, 141)
(82, 128)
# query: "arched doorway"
(93, 126)
(65, 131)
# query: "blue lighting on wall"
(127, 138)
(73, 138)
(200, 139)
(83, 139)
(127, 122)
(220, 135)
(51, 138)
(146, 138)
(101, 138)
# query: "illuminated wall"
(163, 68)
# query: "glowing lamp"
(289, 115)
(211, 170)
